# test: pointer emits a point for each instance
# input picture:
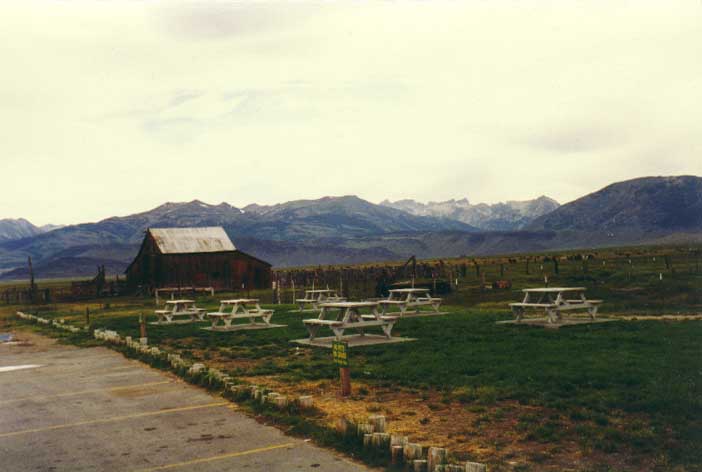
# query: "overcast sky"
(110, 108)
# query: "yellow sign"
(340, 353)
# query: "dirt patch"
(505, 434)
(662, 317)
(220, 358)
(24, 340)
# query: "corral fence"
(444, 276)
(357, 282)
(76, 291)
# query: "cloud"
(579, 139)
(220, 20)
(181, 97)
(296, 103)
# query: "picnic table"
(347, 315)
(180, 291)
(316, 296)
(241, 308)
(410, 298)
(554, 300)
(176, 308)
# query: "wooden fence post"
(142, 326)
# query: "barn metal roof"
(191, 240)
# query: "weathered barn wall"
(221, 270)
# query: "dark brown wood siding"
(221, 270)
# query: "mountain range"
(20, 228)
(347, 230)
(114, 241)
(507, 216)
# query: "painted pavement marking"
(112, 419)
(217, 458)
(12, 368)
(84, 392)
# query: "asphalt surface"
(92, 409)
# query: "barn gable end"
(172, 257)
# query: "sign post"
(142, 328)
(340, 353)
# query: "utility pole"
(32, 285)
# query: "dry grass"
(501, 434)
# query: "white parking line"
(113, 419)
(84, 392)
(217, 458)
(11, 368)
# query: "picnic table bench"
(180, 291)
(314, 297)
(178, 308)
(410, 299)
(553, 300)
(349, 316)
(230, 310)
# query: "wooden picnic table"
(407, 298)
(241, 308)
(554, 300)
(179, 290)
(175, 308)
(316, 296)
(347, 315)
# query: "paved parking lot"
(67, 408)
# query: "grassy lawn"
(627, 393)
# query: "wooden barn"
(195, 257)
